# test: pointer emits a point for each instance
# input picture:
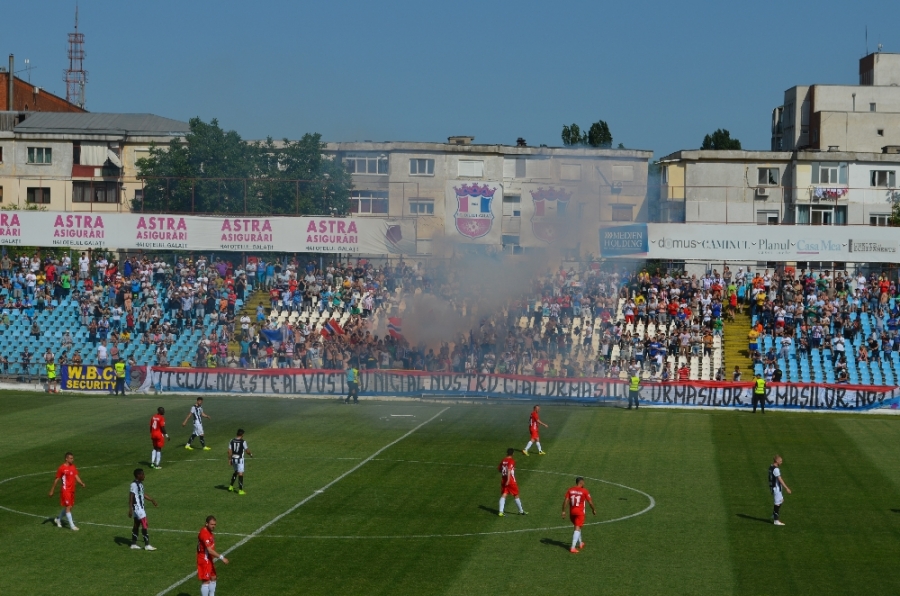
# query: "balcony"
(105, 171)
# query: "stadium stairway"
(260, 295)
(734, 346)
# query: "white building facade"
(466, 196)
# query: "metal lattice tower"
(75, 76)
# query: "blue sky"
(661, 74)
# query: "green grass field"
(420, 517)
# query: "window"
(883, 179)
(828, 175)
(509, 167)
(570, 171)
(139, 196)
(512, 205)
(767, 218)
(880, 219)
(872, 107)
(473, 169)
(664, 174)
(537, 168)
(880, 132)
(513, 167)
(1, 154)
(375, 164)
(421, 206)
(623, 174)
(767, 176)
(421, 167)
(95, 192)
(622, 212)
(423, 246)
(38, 195)
(821, 216)
(1, 194)
(40, 155)
(368, 201)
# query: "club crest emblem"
(474, 217)
(549, 218)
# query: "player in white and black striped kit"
(777, 485)
(136, 497)
(236, 451)
(198, 415)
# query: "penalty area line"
(314, 494)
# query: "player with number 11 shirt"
(576, 497)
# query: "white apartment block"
(864, 117)
(539, 197)
(78, 161)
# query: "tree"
(215, 171)
(598, 135)
(720, 141)
(571, 135)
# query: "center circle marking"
(651, 505)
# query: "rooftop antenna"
(867, 40)
(879, 48)
(28, 68)
(75, 76)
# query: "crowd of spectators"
(590, 320)
(547, 331)
(803, 312)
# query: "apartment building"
(863, 117)
(466, 196)
(78, 161)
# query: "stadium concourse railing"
(419, 384)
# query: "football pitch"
(401, 498)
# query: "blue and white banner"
(390, 383)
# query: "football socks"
(528, 446)
(71, 521)
(519, 505)
(776, 511)
(576, 538)
(502, 503)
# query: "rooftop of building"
(769, 156)
(487, 149)
(104, 124)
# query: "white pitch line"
(316, 493)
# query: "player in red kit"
(206, 556)
(508, 485)
(533, 422)
(158, 437)
(576, 497)
(68, 474)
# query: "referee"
(759, 393)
